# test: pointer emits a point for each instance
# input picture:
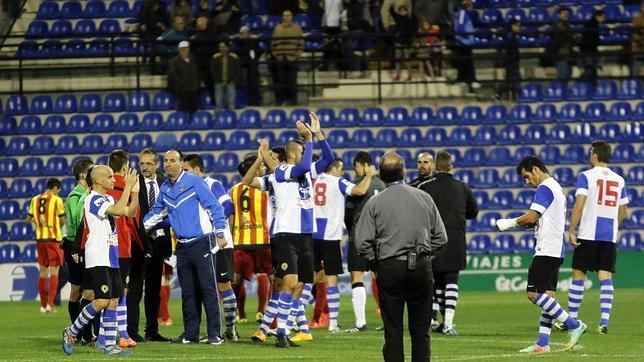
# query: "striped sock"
(121, 317)
(100, 339)
(606, 293)
(292, 316)
(86, 315)
(307, 295)
(451, 298)
(545, 326)
(359, 301)
(109, 323)
(554, 310)
(440, 301)
(302, 324)
(229, 303)
(575, 296)
(270, 313)
(333, 299)
(283, 310)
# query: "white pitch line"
(503, 355)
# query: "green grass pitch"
(492, 327)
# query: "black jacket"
(456, 204)
(590, 36)
(160, 245)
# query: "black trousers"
(464, 64)
(285, 81)
(146, 275)
(512, 82)
(398, 286)
(187, 101)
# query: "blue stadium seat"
(521, 113)
(460, 136)
(48, 10)
(570, 112)
(30, 125)
(103, 122)
(534, 135)
(348, 117)
(287, 136)
(373, 117)
(209, 165)
(214, 141)
(410, 137)
(8, 126)
(16, 105)
(584, 133)
(595, 112)
(472, 115)
(633, 132)
(70, 10)
(633, 221)
(9, 167)
(115, 142)
(525, 243)
(24, 210)
(29, 253)
(487, 221)
(564, 176)
(60, 29)
(422, 116)
(92, 144)
(31, 166)
(486, 178)
(605, 90)
(74, 48)
(405, 154)
(298, 114)
(4, 189)
(114, 102)
(509, 135)
(18, 146)
(485, 135)
(41, 105)
(550, 155)
(225, 119)
(90, 103)
(67, 145)
(152, 122)
(275, 118)
(37, 29)
(503, 243)
(121, 46)
(629, 89)
(555, 92)
(521, 152)
(478, 244)
(163, 101)
(347, 157)
(240, 140)
(201, 120)
(499, 156)
(492, 18)
(386, 137)
(178, 121)
(190, 141)
(436, 137)
(466, 176)
(20, 231)
(227, 162)
(496, 114)
(623, 153)
(85, 28)
(57, 166)
(361, 138)
(583, 13)
(267, 135)
(376, 155)
(28, 49)
(631, 193)
(140, 141)
(253, 22)
(338, 138)
(530, 92)
(473, 157)
(65, 103)
(574, 154)
(559, 134)
(9, 210)
(545, 113)
(397, 116)
(20, 188)
(630, 242)
(610, 131)
(538, 16)
(511, 178)
(118, 9)
(482, 199)
(635, 177)
(206, 101)
(580, 91)
(51, 49)
(138, 101)
(515, 14)
(326, 116)
(570, 199)
(447, 115)
(523, 200)
(4, 232)
(127, 122)
(501, 200)
(94, 9)
(249, 119)
(165, 142)
(620, 111)
(455, 152)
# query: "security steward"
(456, 204)
(398, 230)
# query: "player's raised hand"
(263, 144)
(304, 131)
(370, 171)
(132, 179)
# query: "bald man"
(425, 169)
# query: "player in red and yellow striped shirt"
(47, 212)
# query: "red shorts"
(255, 261)
(49, 253)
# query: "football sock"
(109, 324)
(333, 294)
(359, 301)
(451, 298)
(307, 295)
(88, 332)
(53, 289)
(240, 294)
(439, 294)
(435, 308)
(164, 313)
(554, 310)
(73, 308)
(86, 315)
(101, 338)
(302, 324)
(270, 313)
(263, 289)
(42, 291)
(229, 303)
(121, 317)
(320, 300)
(283, 310)
(606, 300)
(545, 326)
(575, 296)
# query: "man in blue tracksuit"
(199, 224)
(463, 43)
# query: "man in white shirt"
(548, 214)
(600, 206)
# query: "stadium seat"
(16, 105)
(114, 102)
(550, 155)
(466, 176)
(629, 89)
(630, 242)
(31, 166)
(249, 119)
(633, 132)
(501, 200)
(605, 90)
(482, 199)
(387, 137)
(9, 210)
(98, 47)
(85, 28)
(267, 135)
(478, 244)
(492, 18)
(28, 49)
(525, 243)
(74, 48)
(127, 122)
(60, 29)
(51, 49)
(227, 162)
(499, 156)
(48, 10)
(163, 101)
(555, 92)
(118, 9)
(635, 176)
(580, 91)
(397, 116)
(362, 138)
(165, 142)
(338, 138)
(595, 112)
(564, 176)
(538, 16)
(94, 9)
(190, 141)
(240, 140)
(422, 116)
(210, 164)
(511, 178)
(485, 135)
(178, 121)
(503, 243)
(103, 122)
(152, 122)
(214, 141)
(139, 141)
(41, 105)
(92, 144)
(20, 231)
(530, 92)
(521, 152)
(406, 155)
(473, 157)
(115, 142)
(523, 200)
(633, 221)
(509, 135)
(372, 117)
(90, 103)
(559, 134)
(70, 10)
(620, 111)
(201, 120)
(9, 167)
(18, 146)
(376, 155)
(29, 253)
(138, 102)
(326, 116)
(20, 188)
(65, 103)
(623, 153)
(67, 145)
(460, 136)
(30, 125)
(545, 113)
(487, 221)
(57, 166)
(121, 46)
(472, 115)
(347, 157)
(225, 119)
(436, 137)
(298, 114)
(447, 115)
(275, 118)
(287, 136)
(610, 131)
(348, 117)
(583, 133)
(486, 178)
(8, 126)
(570, 112)
(4, 189)
(631, 193)
(534, 135)
(574, 154)
(4, 232)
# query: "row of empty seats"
(65, 29)
(495, 18)
(500, 4)
(558, 91)
(92, 9)
(11, 253)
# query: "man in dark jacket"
(249, 54)
(425, 169)
(512, 59)
(589, 43)
(153, 21)
(456, 204)
(184, 80)
(204, 45)
(225, 73)
(562, 42)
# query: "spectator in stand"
(183, 8)
(227, 16)
(278, 7)
(204, 10)
(588, 47)
(204, 43)
(463, 42)
(434, 11)
(433, 49)
(637, 43)
(512, 59)
(562, 43)
(331, 29)
(405, 27)
(286, 46)
(388, 21)
(183, 79)
(249, 54)
(168, 41)
(153, 21)
(225, 73)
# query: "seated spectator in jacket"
(168, 41)
(225, 73)
(183, 8)
(183, 79)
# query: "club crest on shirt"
(284, 266)
(127, 279)
(182, 189)
(105, 288)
